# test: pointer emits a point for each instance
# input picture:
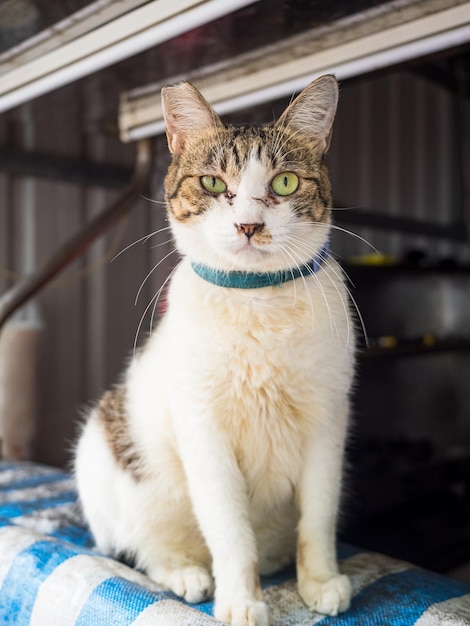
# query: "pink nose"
(249, 229)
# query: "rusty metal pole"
(15, 297)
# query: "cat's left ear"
(313, 110)
(185, 111)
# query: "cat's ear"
(313, 110)
(185, 111)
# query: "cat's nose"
(249, 229)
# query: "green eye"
(213, 184)
(285, 184)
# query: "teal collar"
(254, 280)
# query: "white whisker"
(320, 286)
(286, 162)
(303, 248)
(143, 239)
(326, 266)
(152, 200)
(350, 232)
(160, 291)
(351, 297)
(308, 225)
(157, 245)
(307, 291)
(151, 272)
(353, 300)
(142, 321)
(153, 300)
(286, 258)
(340, 278)
(281, 146)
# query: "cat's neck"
(258, 280)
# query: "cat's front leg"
(321, 586)
(218, 494)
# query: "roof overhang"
(361, 43)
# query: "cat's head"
(252, 198)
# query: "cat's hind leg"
(94, 470)
(145, 518)
(173, 553)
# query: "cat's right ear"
(313, 111)
(185, 111)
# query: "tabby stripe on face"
(173, 195)
(223, 162)
(189, 214)
(274, 160)
(323, 200)
(236, 155)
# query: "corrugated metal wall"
(393, 151)
(89, 315)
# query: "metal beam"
(65, 169)
(344, 48)
(369, 219)
(138, 30)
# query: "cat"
(220, 454)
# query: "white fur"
(213, 240)
(238, 405)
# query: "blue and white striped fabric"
(50, 574)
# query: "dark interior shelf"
(425, 345)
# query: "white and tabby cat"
(220, 455)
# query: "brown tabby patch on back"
(224, 151)
(112, 414)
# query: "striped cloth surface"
(51, 575)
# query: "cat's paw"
(329, 598)
(194, 583)
(242, 613)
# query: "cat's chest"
(258, 383)
(255, 348)
(251, 366)
(250, 348)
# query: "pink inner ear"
(176, 131)
(175, 141)
(176, 146)
(174, 137)
(314, 109)
(185, 111)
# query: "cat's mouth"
(252, 250)
(251, 257)
(255, 243)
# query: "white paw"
(242, 613)
(329, 598)
(194, 583)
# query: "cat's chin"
(252, 259)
